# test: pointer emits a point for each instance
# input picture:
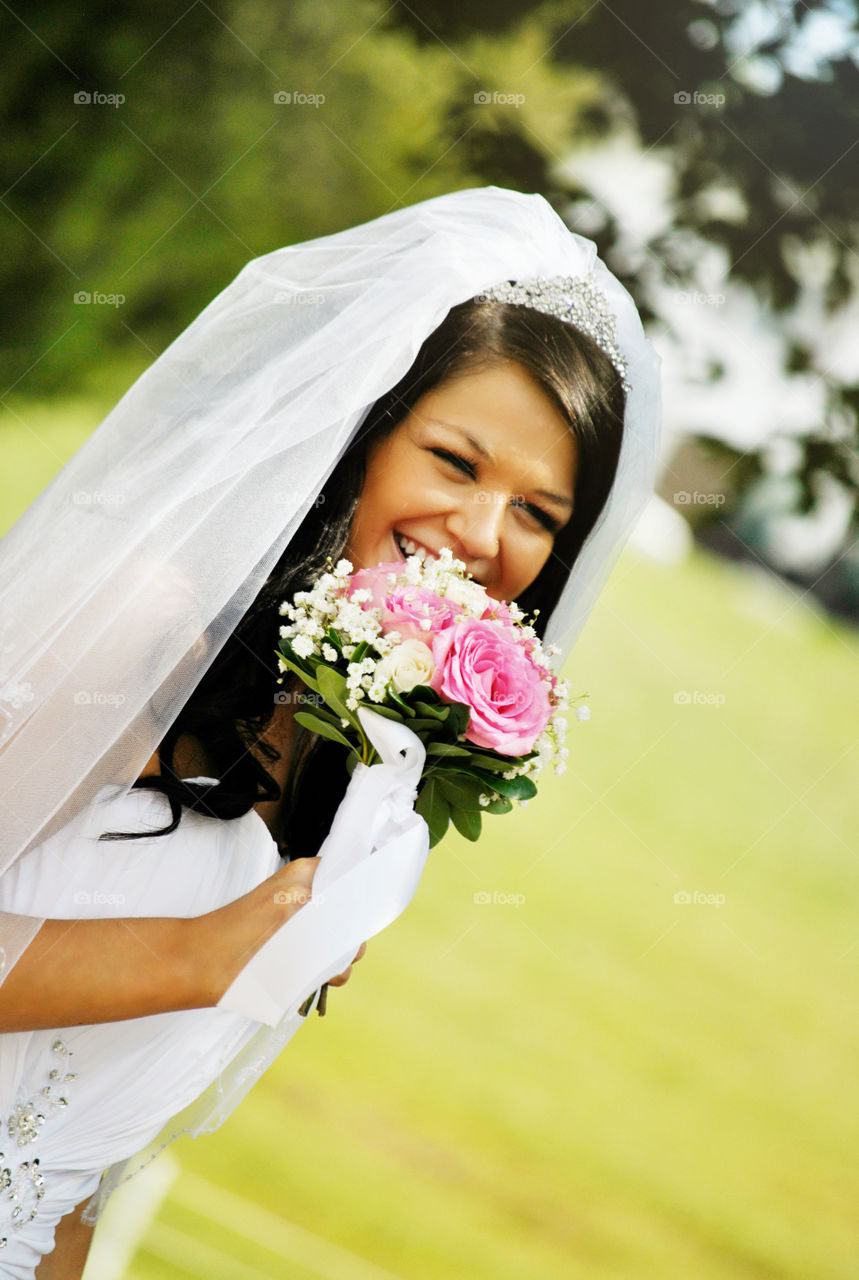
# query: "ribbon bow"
(371, 862)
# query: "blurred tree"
(783, 140)
(150, 153)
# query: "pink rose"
(499, 611)
(482, 664)
(404, 606)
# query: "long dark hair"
(235, 701)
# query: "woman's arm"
(76, 972)
(72, 1240)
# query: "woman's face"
(498, 505)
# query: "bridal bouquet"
(421, 642)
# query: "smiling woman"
(498, 505)
(502, 442)
(403, 409)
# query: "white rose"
(407, 665)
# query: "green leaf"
(446, 749)
(323, 728)
(398, 701)
(516, 788)
(299, 671)
(434, 710)
(458, 717)
(501, 805)
(497, 764)
(333, 687)
(420, 726)
(317, 709)
(459, 790)
(434, 809)
(424, 693)
(467, 823)
(388, 712)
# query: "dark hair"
(235, 701)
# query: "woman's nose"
(477, 524)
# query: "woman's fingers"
(293, 885)
(344, 976)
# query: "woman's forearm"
(76, 972)
(80, 971)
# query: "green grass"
(599, 1082)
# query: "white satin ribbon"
(371, 862)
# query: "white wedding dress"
(76, 1100)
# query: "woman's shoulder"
(201, 865)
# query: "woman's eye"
(543, 518)
(548, 522)
(457, 459)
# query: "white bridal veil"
(125, 577)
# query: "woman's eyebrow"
(561, 499)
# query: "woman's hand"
(232, 935)
(111, 969)
(344, 976)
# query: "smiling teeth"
(410, 548)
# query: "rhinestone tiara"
(576, 299)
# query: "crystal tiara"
(576, 299)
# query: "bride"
(376, 392)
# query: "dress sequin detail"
(21, 1182)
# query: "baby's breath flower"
(303, 646)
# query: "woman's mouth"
(408, 547)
